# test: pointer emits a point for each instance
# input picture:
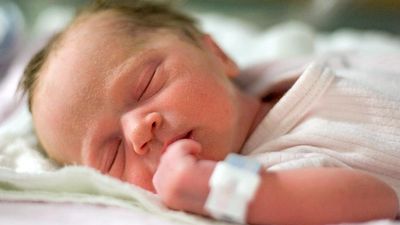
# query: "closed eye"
(114, 156)
(147, 84)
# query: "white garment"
(339, 113)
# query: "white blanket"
(26, 174)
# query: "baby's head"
(121, 83)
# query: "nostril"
(154, 120)
(142, 148)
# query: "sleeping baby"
(139, 93)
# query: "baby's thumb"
(185, 147)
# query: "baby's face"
(114, 102)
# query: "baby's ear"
(230, 67)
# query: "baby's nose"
(140, 131)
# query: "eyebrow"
(126, 67)
(132, 65)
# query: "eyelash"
(148, 84)
(114, 156)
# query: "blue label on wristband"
(243, 162)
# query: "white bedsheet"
(33, 188)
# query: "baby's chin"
(145, 186)
(151, 189)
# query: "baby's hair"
(141, 14)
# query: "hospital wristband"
(233, 184)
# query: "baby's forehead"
(87, 54)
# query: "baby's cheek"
(139, 175)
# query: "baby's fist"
(181, 180)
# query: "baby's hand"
(181, 179)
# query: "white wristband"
(233, 185)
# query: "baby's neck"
(263, 109)
(253, 111)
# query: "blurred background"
(24, 22)
(323, 14)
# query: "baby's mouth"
(188, 135)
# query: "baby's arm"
(321, 196)
(302, 196)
